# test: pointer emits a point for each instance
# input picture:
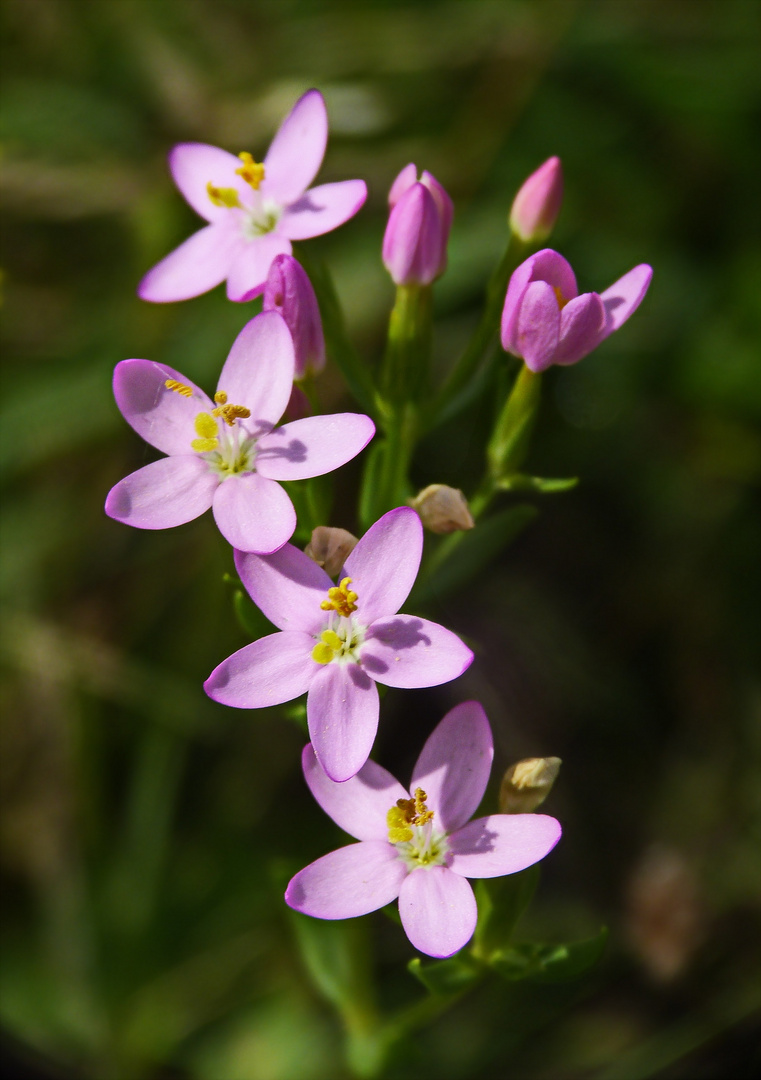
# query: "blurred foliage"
(147, 831)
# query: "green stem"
(408, 351)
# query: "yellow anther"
(178, 387)
(331, 639)
(406, 813)
(341, 599)
(220, 397)
(251, 171)
(206, 428)
(322, 653)
(230, 413)
(222, 196)
(562, 300)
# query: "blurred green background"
(146, 831)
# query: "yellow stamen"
(206, 428)
(178, 387)
(220, 397)
(562, 301)
(341, 599)
(222, 196)
(327, 647)
(230, 413)
(406, 813)
(251, 171)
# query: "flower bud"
(289, 291)
(537, 204)
(443, 509)
(415, 242)
(330, 548)
(527, 784)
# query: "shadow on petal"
(399, 633)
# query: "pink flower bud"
(415, 243)
(537, 204)
(289, 291)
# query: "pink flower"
(415, 241)
(289, 291)
(537, 204)
(336, 642)
(416, 845)
(254, 209)
(227, 453)
(544, 319)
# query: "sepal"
(447, 978)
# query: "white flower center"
(261, 218)
(339, 642)
(428, 847)
(234, 455)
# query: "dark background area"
(146, 831)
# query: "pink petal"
(582, 328)
(248, 271)
(359, 805)
(351, 881)
(438, 914)
(538, 326)
(409, 652)
(384, 564)
(454, 765)
(288, 586)
(295, 154)
(163, 494)
(342, 713)
(322, 208)
(414, 246)
(624, 297)
(194, 165)
(313, 446)
(254, 513)
(196, 266)
(548, 266)
(162, 417)
(516, 290)
(258, 372)
(406, 178)
(267, 672)
(502, 844)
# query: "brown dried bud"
(330, 548)
(527, 784)
(443, 509)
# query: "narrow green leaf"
(521, 482)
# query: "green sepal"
(447, 978)
(501, 902)
(546, 486)
(550, 963)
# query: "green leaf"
(446, 978)
(501, 902)
(550, 963)
(335, 956)
(521, 482)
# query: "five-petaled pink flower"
(254, 209)
(227, 453)
(418, 845)
(336, 642)
(545, 321)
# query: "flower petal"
(194, 165)
(538, 326)
(547, 265)
(313, 446)
(322, 208)
(159, 415)
(408, 652)
(254, 513)
(358, 805)
(502, 844)
(438, 914)
(351, 881)
(248, 271)
(295, 154)
(288, 586)
(196, 266)
(454, 765)
(163, 494)
(582, 328)
(406, 178)
(624, 297)
(342, 713)
(258, 372)
(384, 564)
(267, 672)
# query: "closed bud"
(289, 291)
(527, 784)
(415, 242)
(330, 548)
(537, 204)
(443, 509)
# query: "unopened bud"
(415, 241)
(289, 291)
(527, 784)
(537, 204)
(443, 509)
(330, 548)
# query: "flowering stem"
(509, 443)
(408, 350)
